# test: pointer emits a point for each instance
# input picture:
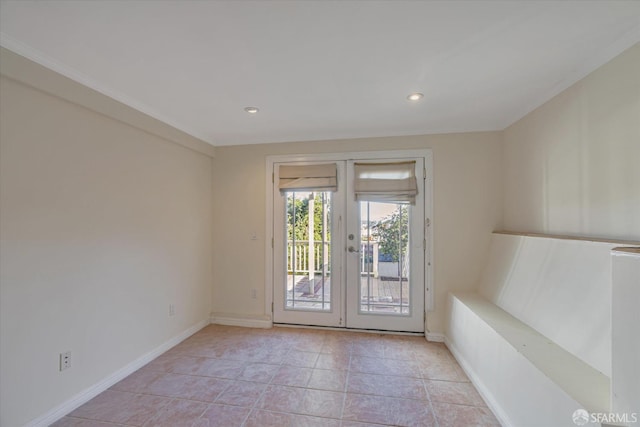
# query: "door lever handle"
(352, 250)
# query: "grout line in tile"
(101, 421)
(433, 412)
(288, 348)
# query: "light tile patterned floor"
(229, 376)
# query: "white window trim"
(426, 153)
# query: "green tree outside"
(392, 234)
(298, 219)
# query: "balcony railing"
(298, 257)
(298, 260)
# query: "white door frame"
(413, 321)
(332, 317)
(426, 153)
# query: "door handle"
(352, 250)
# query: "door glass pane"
(308, 248)
(384, 258)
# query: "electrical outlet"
(254, 293)
(172, 310)
(65, 360)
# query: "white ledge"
(583, 383)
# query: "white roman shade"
(386, 182)
(323, 177)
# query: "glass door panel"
(308, 250)
(342, 262)
(307, 278)
(384, 258)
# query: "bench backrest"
(560, 287)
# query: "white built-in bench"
(535, 336)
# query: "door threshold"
(333, 328)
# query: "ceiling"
(322, 69)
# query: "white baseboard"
(263, 322)
(482, 389)
(434, 336)
(84, 396)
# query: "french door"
(349, 248)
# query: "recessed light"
(251, 110)
(417, 96)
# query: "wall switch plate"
(172, 310)
(254, 293)
(65, 360)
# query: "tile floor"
(229, 376)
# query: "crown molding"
(32, 68)
(624, 42)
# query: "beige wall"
(572, 166)
(467, 207)
(102, 226)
